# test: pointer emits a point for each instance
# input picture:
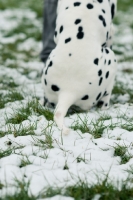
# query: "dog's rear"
(73, 74)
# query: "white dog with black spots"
(81, 69)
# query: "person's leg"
(49, 21)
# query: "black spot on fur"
(105, 62)
(103, 10)
(55, 34)
(80, 35)
(107, 51)
(67, 8)
(109, 62)
(106, 104)
(105, 94)
(112, 10)
(50, 64)
(100, 81)
(104, 44)
(100, 1)
(46, 71)
(67, 40)
(80, 29)
(77, 4)
(70, 54)
(89, 6)
(96, 61)
(107, 74)
(107, 35)
(99, 95)
(55, 88)
(85, 97)
(45, 81)
(77, 21)
(100, 72)
(90, 83)
(100, 104)
(52, 104)
(61, 29)
(102, 19)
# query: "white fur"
(73, 74)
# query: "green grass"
(31, 4)
(24, 162)
(32, 107)
(2, 133)
(124, 5)
(45, 144)
(21, 130)
(97, 127)
(122, 151)
(4, 153)
(81, 190)
(7, 82)
(105, 190)
(11, 96)
(21, 193)
(121, 89)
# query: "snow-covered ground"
(94, 148)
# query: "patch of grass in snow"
(124, 5)
(128, 126)
(10, 51)
(24, 162)
(7, 152)
(34, 5)
(7, 82)
(11, 96)
(128, 71)
(120, 89)
(104, 117)
(6, 54)
(21, 130)
(105, 191)
(95, 128)
(22, 192)
(126, 58)
(29, 30)
(81, 190)
(122, 151)
(32, 107)
(2, 133)
(1, 185)
(47, 143)
(81, 124)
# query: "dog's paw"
(65, 131)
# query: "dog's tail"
(64, 102)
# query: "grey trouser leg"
(49, 21)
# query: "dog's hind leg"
(64, 103)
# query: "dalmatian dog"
(81, 69)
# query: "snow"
(85, 156)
